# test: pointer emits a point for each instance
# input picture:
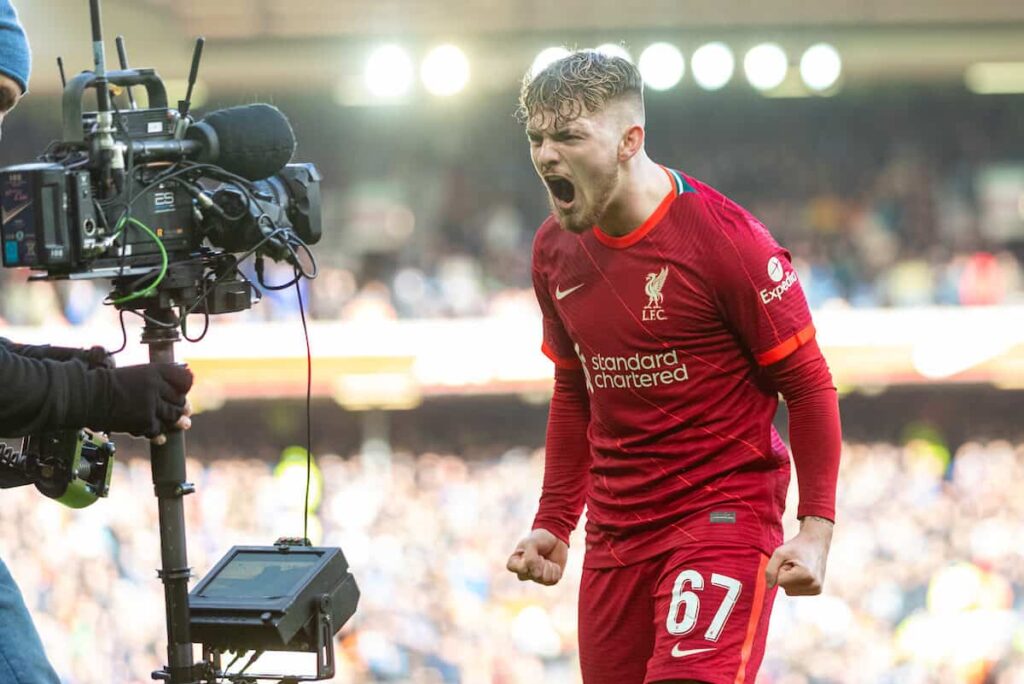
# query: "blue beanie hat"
(15, 56)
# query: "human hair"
(583, 81)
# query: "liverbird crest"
(655, 281)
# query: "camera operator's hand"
(184, 423)
(95, 357)
(147, 400)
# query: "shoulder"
(715, 209)
(723, 228)
(728, 245)
(547, 232)
(551, 242)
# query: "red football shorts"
(700, 612)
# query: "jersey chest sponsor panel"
(681, 419)
(662, 366)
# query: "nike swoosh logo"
(561, 294)
(676, 653)
(8, 216)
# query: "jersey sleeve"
(757, 289)
(556, 345)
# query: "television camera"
(167, 207)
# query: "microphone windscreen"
(255, 141)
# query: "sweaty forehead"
(547, 121)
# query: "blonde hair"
(583, 81)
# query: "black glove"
(141, 400)
(95, 357)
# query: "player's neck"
(643, 189)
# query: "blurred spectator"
(926, 577)
(887, 199)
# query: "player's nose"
(546, 156)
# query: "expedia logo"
(777, 273)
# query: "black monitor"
(270, 598)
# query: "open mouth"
(561, 189)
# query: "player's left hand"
(798, 566)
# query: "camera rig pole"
(168, 466)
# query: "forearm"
(94, 357)
(567, 457)
(29, 351)
(36, 395)
(815, 437)
(811, 520)
(815, 434)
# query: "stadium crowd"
(903, 198)
(925, 581)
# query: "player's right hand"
(540, 557)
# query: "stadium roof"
(250, 18)
(260, 46)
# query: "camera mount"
(287, 597)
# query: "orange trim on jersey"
(755, 619)
(560, 361)
(635, 236)
(786, 347)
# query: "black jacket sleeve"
(94, 357)
(42, 394)
(37, 394)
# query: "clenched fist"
(540, 556)
(798, 566)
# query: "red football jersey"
(672, 325)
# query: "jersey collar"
(638, 234)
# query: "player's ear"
(632, 142)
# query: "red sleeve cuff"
(569, 363)
(555, 528)
(819, 511)
(786, 347)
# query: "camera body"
(52, 223)
(158, 202)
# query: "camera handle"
(71, 102)
(168, 466)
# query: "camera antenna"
(197, 55)
(122, 55)
(60, 68)
(99, 58)
(111, 153)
